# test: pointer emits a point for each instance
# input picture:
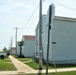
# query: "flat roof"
(63, 18)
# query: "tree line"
(4, 50)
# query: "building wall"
(29, 48)
(18, 49)
(62, 41)
(63, 33)
(37, 42)
(13, 51)
(44, 37)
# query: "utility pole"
(16, 39)
(40, 37)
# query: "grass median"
(35, 65)
(58, 73)
(6, 65)
(31, 63)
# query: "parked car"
(3, 55)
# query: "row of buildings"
(28, 47)
(62, 48)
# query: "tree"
(5, 50)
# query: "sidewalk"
(25, 69)
(21, 67)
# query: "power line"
(29, 19)
(66, 6)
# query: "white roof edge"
(65, 18)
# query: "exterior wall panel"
(37, 42)
(63, 33)
(28, 47)
(62, 40)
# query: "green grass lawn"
(35, 65)
(62, 73)
(30, 62)
(24, 59)
(5, 60)
(6, 65)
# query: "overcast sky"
(24, 14)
